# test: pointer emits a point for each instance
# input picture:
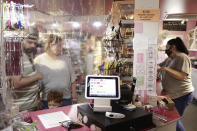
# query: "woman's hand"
(161, 69)
(174, 73)
(159, 72)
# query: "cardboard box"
(167, 102)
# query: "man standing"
(26, 86)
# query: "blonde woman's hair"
(52, 39)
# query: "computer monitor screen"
(99, 87)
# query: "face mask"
(168, 52)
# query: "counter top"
(71, 111)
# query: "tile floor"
(189, 118)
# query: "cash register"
(103, 89)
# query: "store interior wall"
(178, 7)
(191, 24)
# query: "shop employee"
(176, 76)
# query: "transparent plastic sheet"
(11, 66)
(73, 20)
(5, 123)
(2, 106)
(16, 123)
(80, 23)
(6, 84)
(8, 99)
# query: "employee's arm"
(22, 82)
(74, 92)
(176, 74)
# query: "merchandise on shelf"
(119, 42)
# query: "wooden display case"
(122, 10)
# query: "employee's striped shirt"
(27, 97)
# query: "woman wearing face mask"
(176, 76)
(58, 72)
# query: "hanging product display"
(19, 20)
(13, 16)
(119, 42)
(13, 54)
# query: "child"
(54, 99)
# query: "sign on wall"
(146, 15)
(175, 25)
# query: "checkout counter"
(136, 119)
(71, 111)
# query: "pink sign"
(140, 58)
(138, 27)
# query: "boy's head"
(54, 99)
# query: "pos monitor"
(102, 89)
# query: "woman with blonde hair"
(57, 71)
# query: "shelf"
(128, 40)
(127, 21)
(195, 62)
(127, 59)
(123, 11)
(126, 78)
(192, 49)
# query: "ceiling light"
(131, 17)
(55, 24)
(75, 24)
(32, 24)
(28, 6)
(97, 24)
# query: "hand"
(161, 69)
(39, 75)
(74, 97)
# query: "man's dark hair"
(32, 34)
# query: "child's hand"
(74, 97)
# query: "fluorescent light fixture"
(32, 24)
(28, 6)
(75, 24)
(55, 24)
(97, 24)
